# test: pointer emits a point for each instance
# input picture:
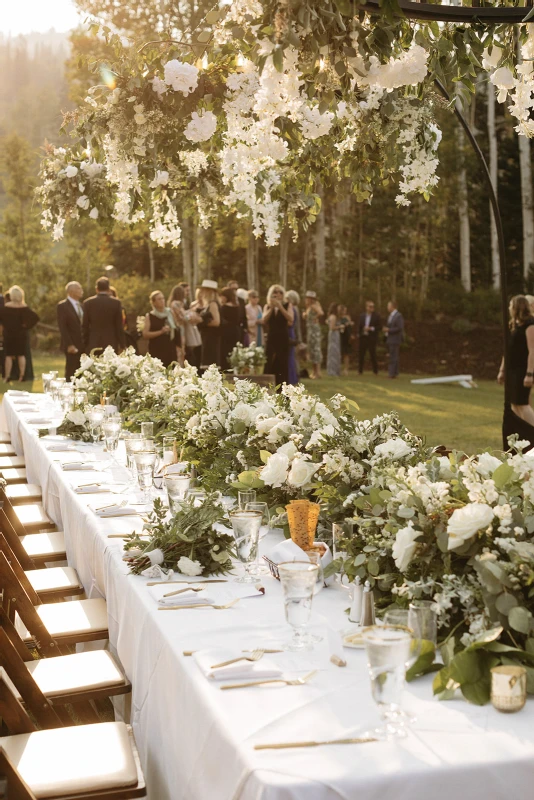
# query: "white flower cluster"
(201, 127)
(409, 69)
(517, 85)
(180, 76)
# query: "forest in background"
(427, 255)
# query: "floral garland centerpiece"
(189, 540)
(247, 360)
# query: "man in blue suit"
(394, 331)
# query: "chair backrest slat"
(14, 542)
(17, 788)
(28, 689)
(16, 597)
(14, 715)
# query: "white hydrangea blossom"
(201, 127)
(180, 76)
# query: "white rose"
(288, 449)
(393, 449)
(71, 171)
(122, 371)
(486, 464)
(274, 473)
(405, 546)
(189, 567)
(77, 417)
(83, 202)
(301, 472)
(265, 425)
(467, 521)
(94, 213)
(445, 467)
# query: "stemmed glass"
(80, 398)
(246, 527)
(177, 485)
(257, 568)
(298, 579)
(133, 442)
(66, 397)
(145, 461)
(111, 428)
(95, 415)
(388, 649)
(47, 378)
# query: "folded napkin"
(116, 510)
(17, 393)
(39, 421)
(264, 668)
(287, 551)
(77, 465)
(60, 448)
(91, 488)
(184, 599)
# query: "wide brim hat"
(313, 295)
(207, 284)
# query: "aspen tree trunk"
(151, 261)
(252, 260)
(493, 169)
(463, 213)
(195, 254)
(284, 251)
(187, 255)
(320, 243)
(527, 204)
(360, 250)
(305, 262)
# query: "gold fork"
(199, 605)
(264, 650)
(255, 655)
(284, 681)
(283, 745)
(187, 589)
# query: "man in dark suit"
(368, 328)
(394, 331)
(69, 320)
(102, 320)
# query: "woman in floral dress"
(313, 316)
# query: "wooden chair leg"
(17, 789)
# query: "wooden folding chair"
(14, 475)
(45, 585)
(28, 518)
(8, 462)
(77, 679)
(34, 549)
(52, 625)
(80, 762)
(21, 493)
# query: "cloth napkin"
(17, 393)
(91, 488)
(184, 599)
(60, 448)
(287, 551)
(39, 421)
(116, 510)
(77, 465)
(255, 670)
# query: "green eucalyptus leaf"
(502, 475)
(505, 602)
(520, 619)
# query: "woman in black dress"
(209, 310)
(277, 319)
(161, 331)
(16, 319)
(231, 330)
(518, 366)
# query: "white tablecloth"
(196, 741)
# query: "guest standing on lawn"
(394, 331)
(102, 320)
(346, 337)
(313, 316)
(161, 330)
(231, 330)
(209, 311)
(333, 354)
(17, 319)
(254, 318)
(69, 320)
(520, 359)
(368, 329)
(277, 317)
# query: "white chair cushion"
(69, 619)
(93, 669)
(53, 578)
(65, 761)
(5, 437)
(23, 492)
(14, 475)
(44, 544)
(7, 449)
(32, 514)
(6, 462)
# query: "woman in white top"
(254, 317)
(187, 320)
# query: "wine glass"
(133, 442)
(95, 415)
(246, 527)
(111, 428)
(258, 568)
(177, 485)
(298, 579)
(145, 461)
(80, 398)
(388, 650)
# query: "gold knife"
(196, 583)
(283, 745)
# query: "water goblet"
(66, 397)
(111, 428)
(246, 527)
(95, 415)
(388, 651)
(258, 568)
(80, 398)
(133, 442)
(145, 461)
(47, 377)
(177, 485)
(244, 497)
(147, 429)
(298, 579)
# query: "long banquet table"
(196, 741)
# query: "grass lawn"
(466, 419)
